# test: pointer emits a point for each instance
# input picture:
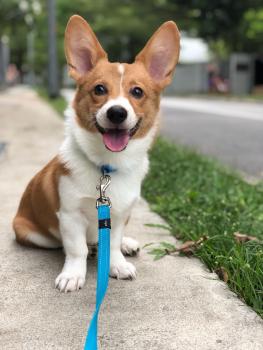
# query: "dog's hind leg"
(29, 234)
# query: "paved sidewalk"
(175, 303)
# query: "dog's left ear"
(161, 53)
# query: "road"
(230, 131)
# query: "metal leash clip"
(104, 184)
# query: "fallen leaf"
(242, 238)
(189, 247)
(222, 274)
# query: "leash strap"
(103, 272)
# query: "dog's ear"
(160, 54)
(82, 48)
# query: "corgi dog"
(113, 121)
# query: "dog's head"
(119, 100)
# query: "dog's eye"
(136, 92)
(100, 90)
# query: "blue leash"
(103, 205)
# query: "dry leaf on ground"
(222, 274)
(241, 238)
(189, 247)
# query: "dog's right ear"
(160, 54)
(82, 48)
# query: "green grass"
(59, 103)
(196, 196)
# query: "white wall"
(189, 78)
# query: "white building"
(191, 75)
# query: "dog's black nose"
(117, 114)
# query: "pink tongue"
(116, 141)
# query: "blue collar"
(107, 169)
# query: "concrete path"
(175, 303)
(230, 131)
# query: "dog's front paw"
(121, 269)
(72, 277)
(66, 282)
(130, 246)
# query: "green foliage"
(198, 197)
(124, 26)
(253, 27)
(224, 20)
(17, 18)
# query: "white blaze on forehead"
(121, 71)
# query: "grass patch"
(58, 103)
(197, 197)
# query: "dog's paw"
(72, 277)
(66, 282)
(130, 246)
(123, 270)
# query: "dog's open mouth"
(115, 139)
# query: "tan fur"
(80, 38)
(40, 203)
(87, 103)
(167, 40)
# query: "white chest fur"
(84, 153)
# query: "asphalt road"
(231, 132)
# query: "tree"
(123, 26)
(17, 18)
(225, 21)
(253, 29)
